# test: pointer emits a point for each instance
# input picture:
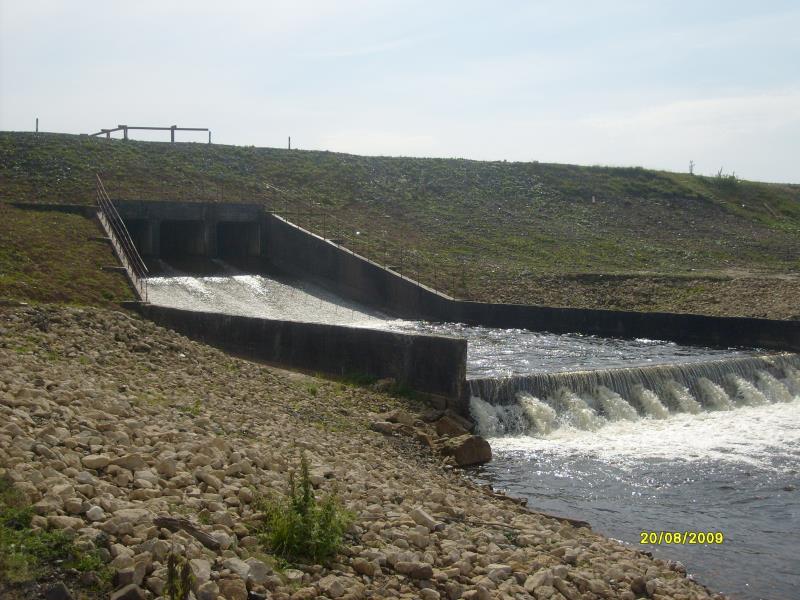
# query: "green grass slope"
(484, 230)
(49, 257)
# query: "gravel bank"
(108, 422)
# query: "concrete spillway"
(235, 292)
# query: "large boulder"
(467, 450)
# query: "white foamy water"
(713, 395)
(648, 402)
(744, 393)
(792, 380)
(679, 398)
(731, 471)
(574, 411)
(260, 296)
(754, 435)
(773, 389)
(614, 407)
(542, 417)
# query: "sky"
(647, 83)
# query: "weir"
(504, 390)
(539, 403)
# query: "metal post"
(209, 136)
(290, 142)
(37, 124)
(172, 133)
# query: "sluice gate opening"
(179, 239)
(238, 239)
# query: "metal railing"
(121, 240)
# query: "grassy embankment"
(496, 231)
(49, 257)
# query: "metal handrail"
(121, 240)
(121, 230)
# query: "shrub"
(300, 528)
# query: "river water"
(631, 435)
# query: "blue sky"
(615, 83)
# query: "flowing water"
(712, 447)
(233, 292)
(631, 435)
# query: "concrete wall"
(192, 228)
(683, 328)
(431, 364)
(304, 254)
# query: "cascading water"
(589, 400)
(773, 389)
(574, 411)
(648, 403)
(680, 399)
(743, 392)
(792, 380)
(713, 395)
(614, 407)
(500, 420)
(542, 417)
(234, 292)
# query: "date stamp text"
(681, 537)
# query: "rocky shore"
(140, 442)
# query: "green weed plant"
(300, 528)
